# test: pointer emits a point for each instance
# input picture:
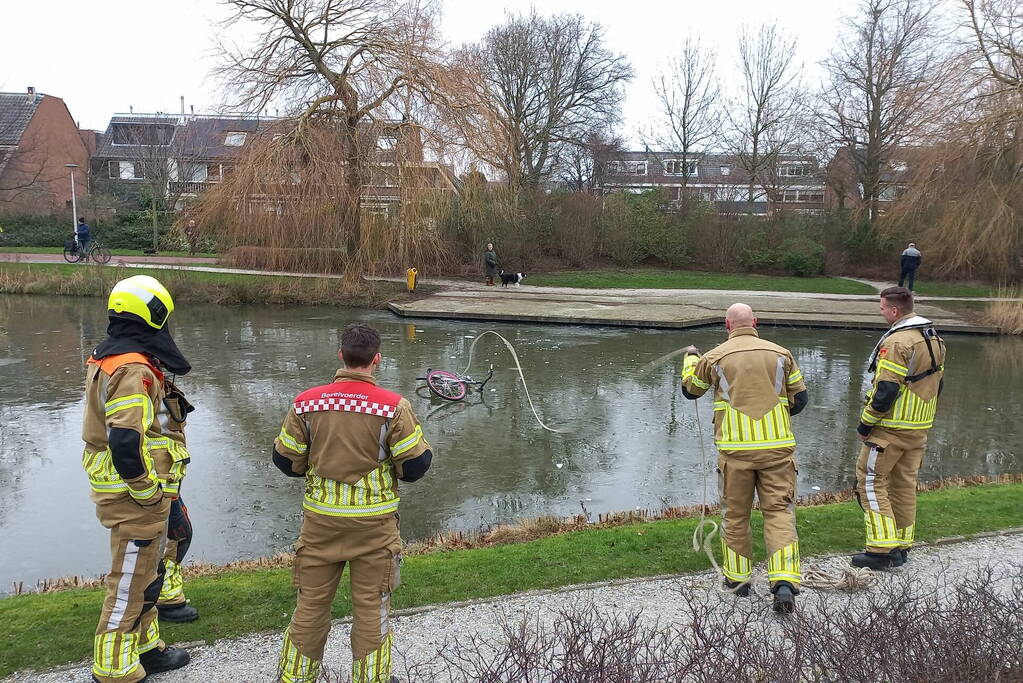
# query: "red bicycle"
(450, 386)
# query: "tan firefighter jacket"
(754, 384)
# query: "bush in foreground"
(956, 629)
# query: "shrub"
(802, 257)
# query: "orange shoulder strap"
(110, 364)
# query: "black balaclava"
(128, 333)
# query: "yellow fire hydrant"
(410, 276)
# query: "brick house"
(795, 184)
(184, 156)
(37, 137)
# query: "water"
(632, 442)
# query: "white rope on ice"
(518, 366)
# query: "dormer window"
(794, 170)
(679, 167)
(626, 168)
(234, 139)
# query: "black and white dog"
(511, 278)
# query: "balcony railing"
(190, 187)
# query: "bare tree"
(338, 65)
(538, 85)
(688, 94)
(885, 86)
(581, 163)
(763, 123)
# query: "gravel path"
(421, 634)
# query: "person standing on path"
(757, 387)
(490, 264)
(125, 386)
(83, 234)
(910, 262)
(192, 236)
(352, 441)
(908, 364)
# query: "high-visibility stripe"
(173, 589)
(783, 565)
(374, 667)
(295, 667)
(115, 654)
(408, 443)
(350, 510)
(795, 377)
(734, 566)
(906, 535)
(885, 364)
(880, 530)
(151, 639)
(118, 404)
(291, 442)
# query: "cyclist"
(82, 235)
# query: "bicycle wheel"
(72, 254)
(100, 254)
(447, 385)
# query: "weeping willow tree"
(966, 199)
(311, 188)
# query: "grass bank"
(240, 602)
(693, 279)
(197, 287)
(954, 289)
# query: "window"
(213, 173)
(794, 170)
(889, 193)
(125, 170)
(234, 139)
(803, 196)
(387, 143)
(898, 165)
(679, 167)
(626, 168)
(141, 134)
(726, 170)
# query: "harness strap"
(927, 333)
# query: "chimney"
(31, 94)
(192, 107)
(182, 105)
(131, 109)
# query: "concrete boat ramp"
(661, 308)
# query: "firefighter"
(757, 387)
(352, 441)
(908, 363)
(124, 388)
(172, 605)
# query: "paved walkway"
(659, 308)
(423, 636)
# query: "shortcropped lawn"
(115, 252)
(49, 629)
(693, 279)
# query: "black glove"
(179, 526)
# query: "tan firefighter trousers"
(371, 547)
(128, 626)
(886, 473)
(771, 474)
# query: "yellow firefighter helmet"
(143, 296)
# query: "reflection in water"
(631, 438)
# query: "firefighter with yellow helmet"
(132, 483)
(908, 364)
(757, 388)
(352, 441)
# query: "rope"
(518, 366)
(848, 579)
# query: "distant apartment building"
(845, 176)
(38, 137)
(794, 183)
(186, 155)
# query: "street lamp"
(74, 203)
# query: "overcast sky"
(104, 56)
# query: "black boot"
(876, 561)
(741, 590)
(167, 659)
(784, 597)
(899, 556)
(178, 614)
(96, 680)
